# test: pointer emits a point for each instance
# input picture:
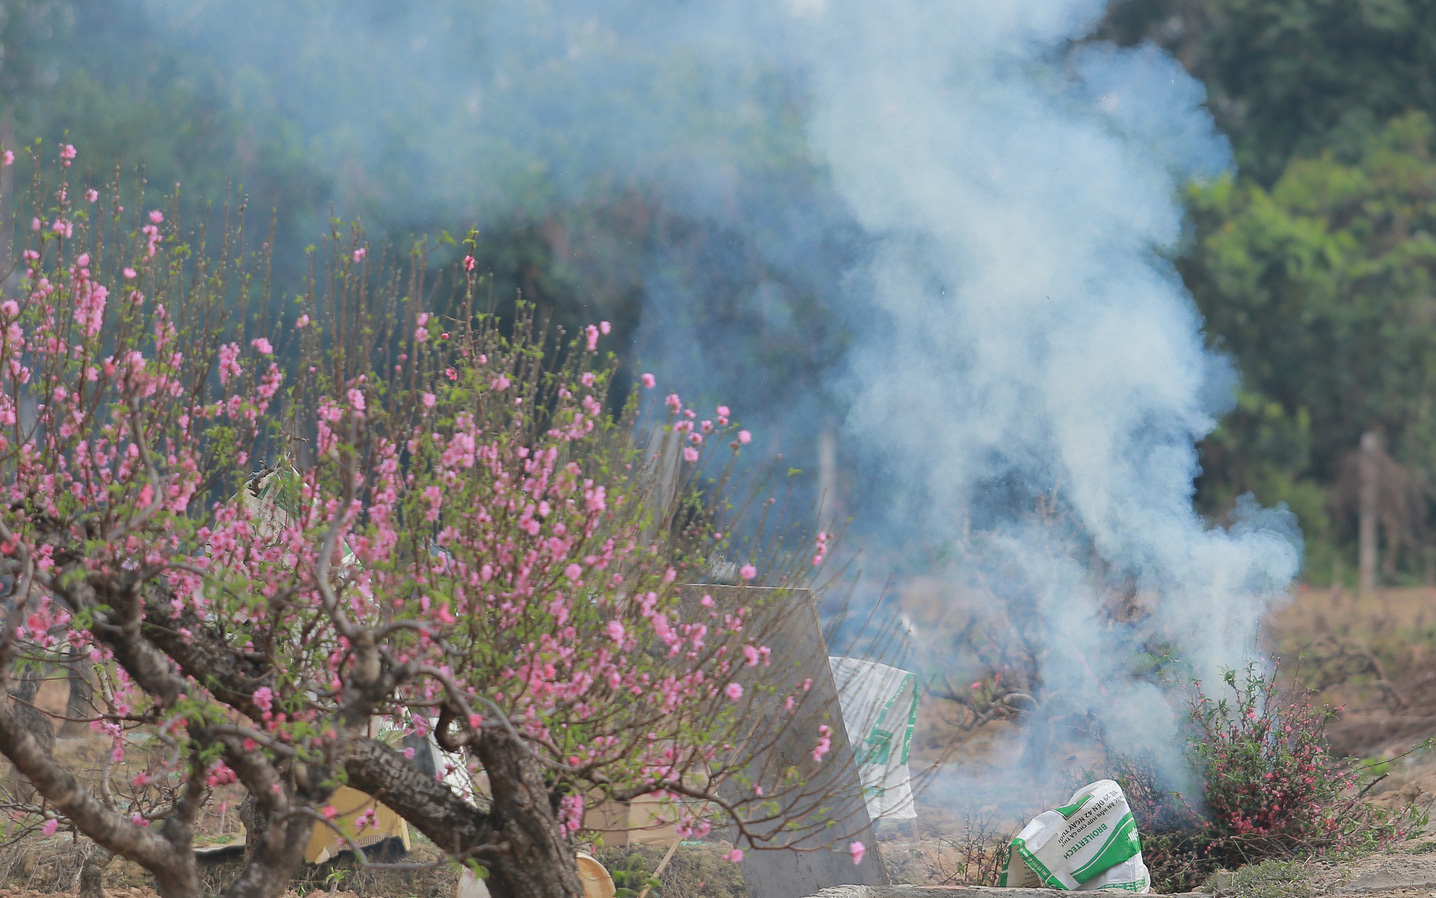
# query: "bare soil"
(1374, 656)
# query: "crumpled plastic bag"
(879, 705)
(1089, 844)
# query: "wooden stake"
(658, 871)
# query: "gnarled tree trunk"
(534, 859)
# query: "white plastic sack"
(879, 705)
(1088, 844)
(272, 497)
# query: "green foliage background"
(1312, 262)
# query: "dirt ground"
(1374, 658)
(1373, 655)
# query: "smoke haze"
(937, 230)
(1025, 335)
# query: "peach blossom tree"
(275, 528)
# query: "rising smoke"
(1026, 337)
(936, 230)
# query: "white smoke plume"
(956, 214)
(1024, 334)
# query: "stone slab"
(831, 811)
(911, 891)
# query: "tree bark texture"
(519, 838)
(173, 865)
(534, 859)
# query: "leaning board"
(830, 811)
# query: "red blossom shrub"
(1269, 788)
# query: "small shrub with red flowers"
(1269, 788)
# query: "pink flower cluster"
(490, 531)
(825, 742)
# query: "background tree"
(468, 543)
(1294, 79)
(1309, 262)
(627, 176)
(1320, 288)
